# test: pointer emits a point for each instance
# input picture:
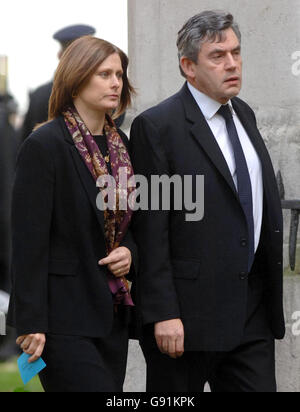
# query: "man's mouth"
(232, 79)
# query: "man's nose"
(230, 62)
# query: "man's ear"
(188, 67)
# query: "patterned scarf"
(116, 221)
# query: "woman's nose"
(116, 82)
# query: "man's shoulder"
(163, 111)
(242, 105)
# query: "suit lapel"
(204, 137)
(257, 141)
(88, 183)
(272, 199)
(85, 176)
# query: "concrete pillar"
(288, 350)
(271, 53)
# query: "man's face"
(218, 72)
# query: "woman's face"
(103, 92)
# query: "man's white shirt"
(217, 124)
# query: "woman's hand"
(32, 345)
(118, 261)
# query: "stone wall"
(271, 36)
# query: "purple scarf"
(116, 222)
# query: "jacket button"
(243, 275)
(243, 242)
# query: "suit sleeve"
(31, 221)
(128, 240)
(156, 289)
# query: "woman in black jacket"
(70, 297)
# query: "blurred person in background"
(7, 162)
(8, 147)
(39, 99)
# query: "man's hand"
(169, 337)
(32, 345)
(118, 261)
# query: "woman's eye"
(103, 74)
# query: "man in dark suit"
(210, 291)
(39, 99)
(8, 147)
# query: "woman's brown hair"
(77, 65)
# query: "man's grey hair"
(204, 27)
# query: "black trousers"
(250, 367)
(83, 364)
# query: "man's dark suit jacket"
(58, 239)
(38, 110)
(197, 271)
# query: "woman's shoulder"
(47, 135)
(50, 128)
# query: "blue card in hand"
(29, 370)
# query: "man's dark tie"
(243, 178)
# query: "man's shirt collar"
(207, 105)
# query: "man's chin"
(232, 92)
